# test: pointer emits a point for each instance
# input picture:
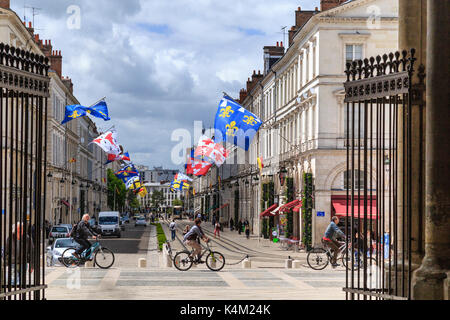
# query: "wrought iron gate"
(24, 88)
(378, 96)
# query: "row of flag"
(233, 125)
(108, 142)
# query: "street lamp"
(49, 177)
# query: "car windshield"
(141, 219)
(60, 229)
(66, 243)
(107, 220)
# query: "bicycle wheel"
(215, 261)
(68, 259)
(317, 259)
(347, 260)
(104, 258)
(183, 261)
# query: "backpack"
(73, 232)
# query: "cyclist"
(331, 234)
(82, 232)
(191, 237)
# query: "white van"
(109, 223)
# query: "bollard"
(89, 264)
(246, 264)
(296, 264)
(142, 263)
(288, 263)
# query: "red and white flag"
(210, 151)
(197, 167)
(108, 142)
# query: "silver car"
(140, 221)
(58, 232)
(54, 252)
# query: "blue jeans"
(173, 235)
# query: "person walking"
(217, 229)
(240, 226)
(231, 224)
(172, 228)
(247, 231)
(213, 221)
(15, 256)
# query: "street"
(267, 279)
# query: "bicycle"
(103, 257)
(319, 258)
(184, 260)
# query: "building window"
(358, 179)
(353, 52)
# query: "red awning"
(266, 212)
(340, 206)
(288, 206)
(226, 204)
(297, 208)
(65, 203)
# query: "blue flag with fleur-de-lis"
(99, 110)
(235, 124)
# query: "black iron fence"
(24, 88)
(378, 96)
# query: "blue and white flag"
(182, 177)
(127, 172)
(234, 124)
(99, 110)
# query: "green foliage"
(177, 202)
(307, 207)
(157, 198)
(265, 229)
(160, 235)
(116, 190)
(290, 194)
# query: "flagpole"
(97, 102)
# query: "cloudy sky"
(162, 64)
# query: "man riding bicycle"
(81, 234)
(191, 237)
(331, 234)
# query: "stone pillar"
(428, 281)
(412, 34)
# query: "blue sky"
(161, 64)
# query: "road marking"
(295, 281)
(110, 279)
(232, 281)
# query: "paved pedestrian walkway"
(230, 284)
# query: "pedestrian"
(15, 255)
(213, 221)
(240, 226)
(186, 230)
(217, 229)
(247, 231)
(172, 228)
(231, 224)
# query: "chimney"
(271, 55)
(5, 4)
(56, 62)
(301, 17)
(30, 28)
(47, 48)
(68, 83)
(242, 95)
(291, 35)
(330, 4)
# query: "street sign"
(320, 213)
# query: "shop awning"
(64, 202)
(226, 204)
(288, 206)
(266, 212)
(274, 212)
(340, 206)
(297, 208)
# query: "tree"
(157, 198)
(177, 202)
(133, 201)
(116, 191)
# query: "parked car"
(54, 252)
(58, 232)
(109, 223)
(140, 221)
(69, 226)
